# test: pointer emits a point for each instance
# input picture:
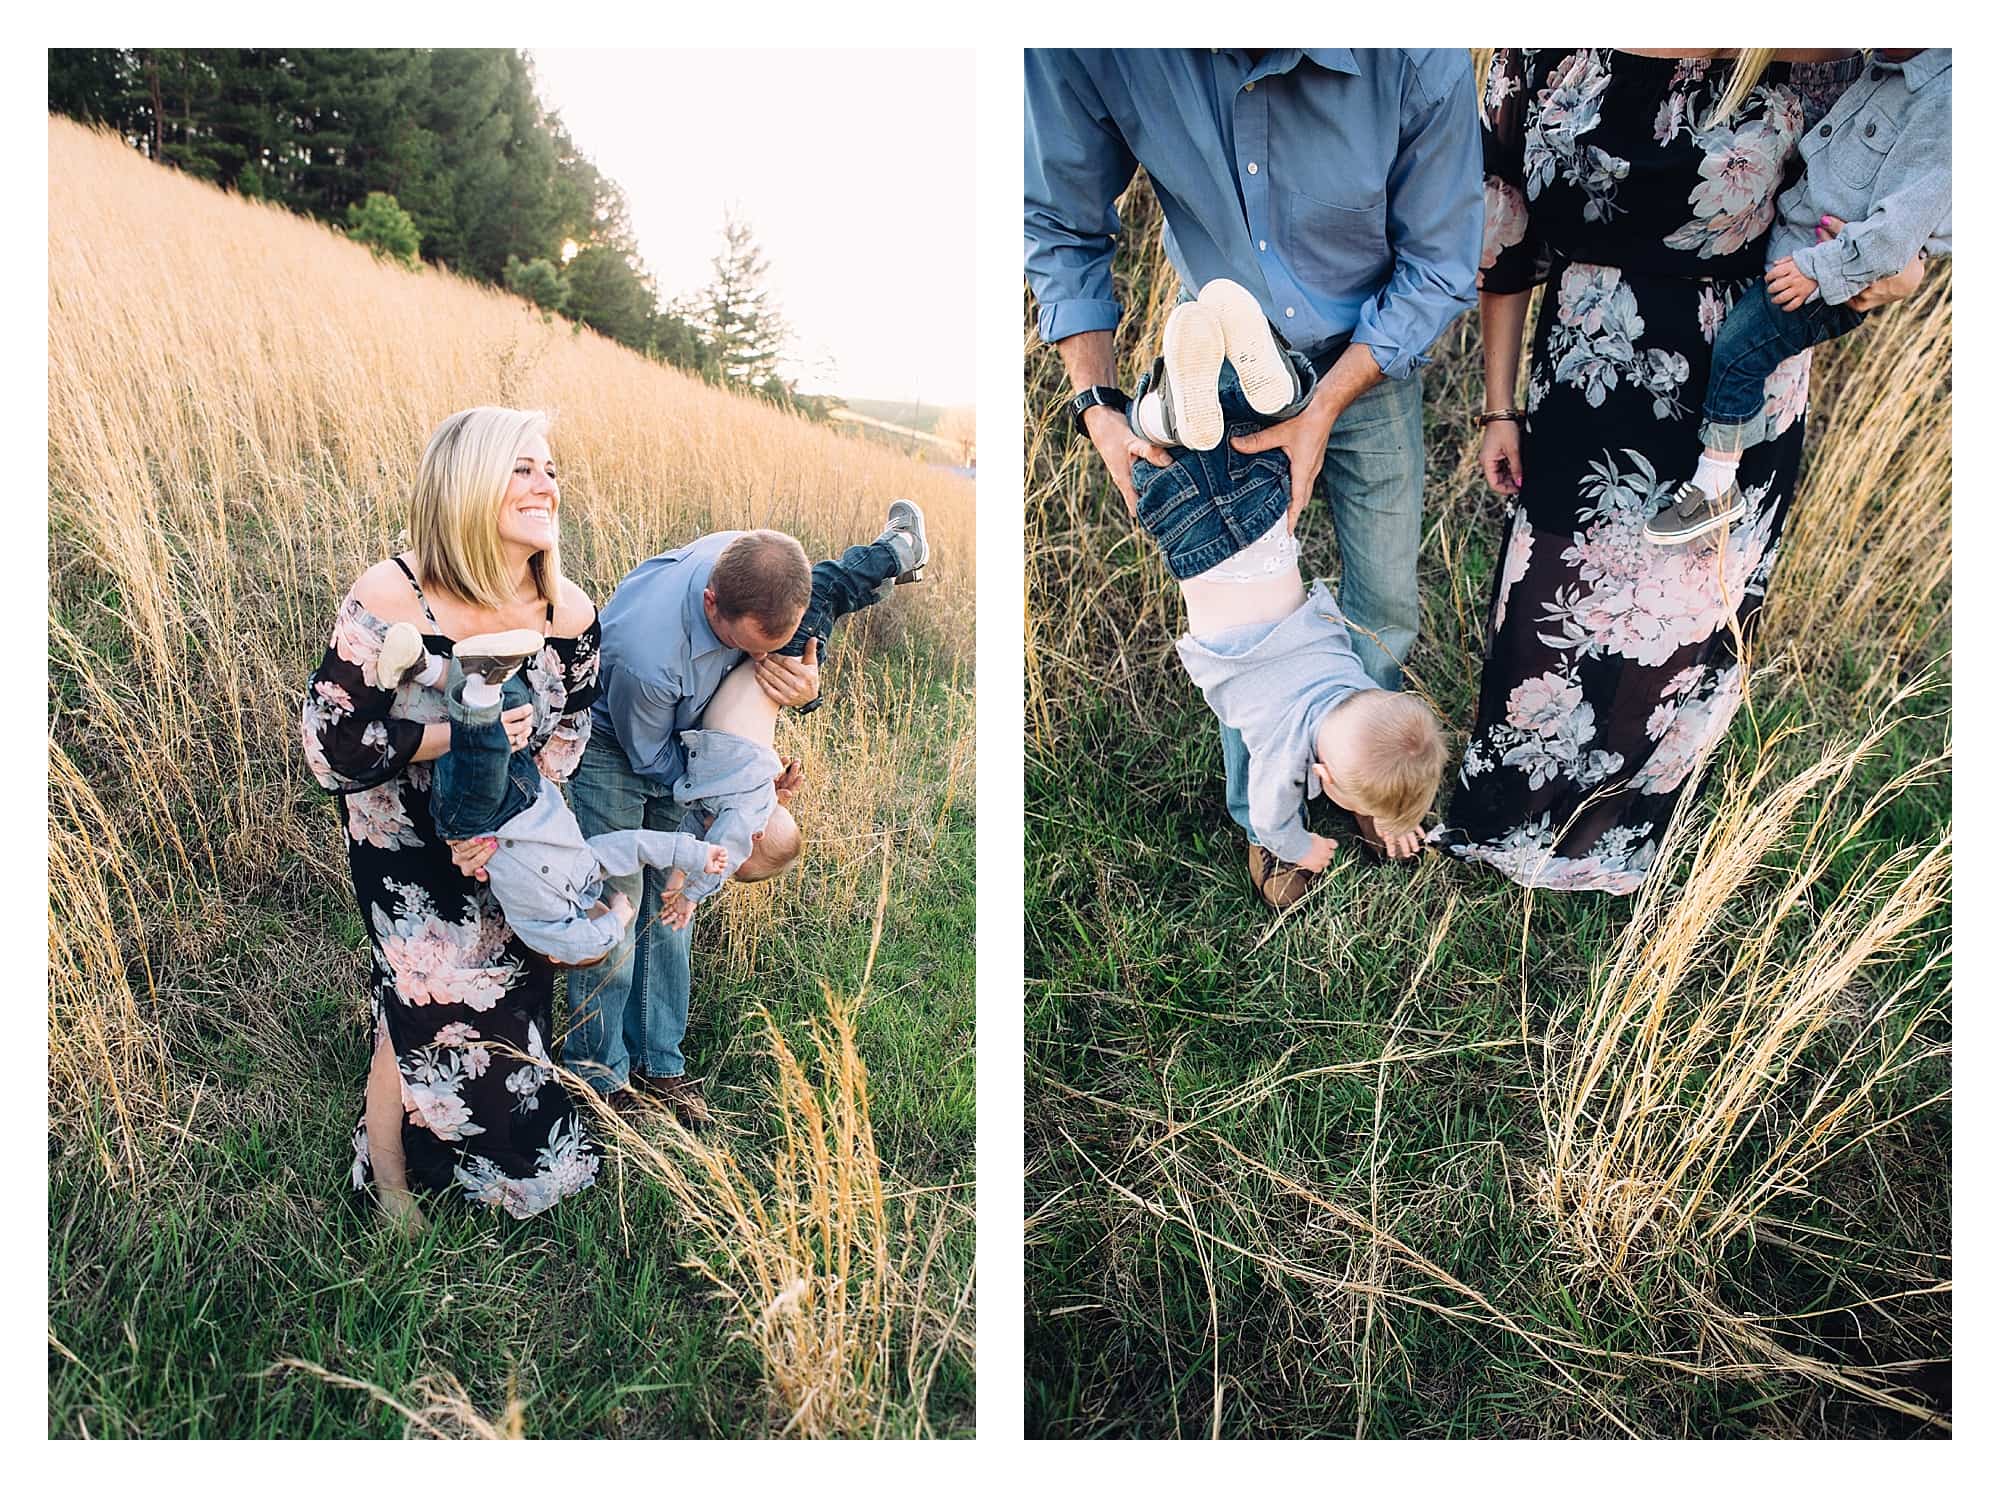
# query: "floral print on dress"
(1612, 668)
(466, 1010)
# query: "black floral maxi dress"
(1612, 664)
(454, 991)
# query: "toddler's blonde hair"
(455, 507)
(1399, 758)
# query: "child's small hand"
(1321, 854)
(1789, 285)
(718, 862)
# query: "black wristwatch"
(1096, 397)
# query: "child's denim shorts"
(1210, 505)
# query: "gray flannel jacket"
(730, 779)
(1881, 162)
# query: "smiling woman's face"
(528, 510)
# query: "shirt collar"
(1921, 68)
(1284, 59)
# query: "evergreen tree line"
(445, 154)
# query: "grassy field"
(1433, 1156)
(237, 402)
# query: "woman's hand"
(471, 854)
(790, 681)
(1897, 286)
(1500, 456)
(520, 725)
(788, 780)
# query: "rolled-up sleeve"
(1901, 220)
(351, 741)
(1435, 220)
(1076, 165)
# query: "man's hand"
(788, 780)
(1790, 286)
(1118, 447)
(676, 913)
(470, 855)
(791, 681)
(1303, 439)
(520, 725)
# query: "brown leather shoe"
(1278, 884)
(680, 1094)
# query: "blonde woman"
(459, 1093)
(1638, 187)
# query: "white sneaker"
(1192, 356)
(1270, 384)
(497, 656)
(402, 653)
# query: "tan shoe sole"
(1252, 350)
(1193, 353)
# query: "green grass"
(1280, 1181)
(169, 1306)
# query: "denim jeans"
(1755, 337)
(840, 587)
(1212, 504)
(632, 1011)
(480, 782)
(1373, 483)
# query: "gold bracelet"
(1498, 416)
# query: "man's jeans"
(1373, 481)
(631, 1012)
(1754, 338)
(840, 587)
(480, 782)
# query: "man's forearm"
(1090, 360)
(1351, 375)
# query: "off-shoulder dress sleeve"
(1512, 255)
(351, 742)
(558, 757)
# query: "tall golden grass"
(1777, 977)
(237, 399)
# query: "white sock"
(1714, 474)
(479, 693)
(1151, 419)
(429, 672)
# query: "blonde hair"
(1747, 73)
(1398, 758)
(455, 507)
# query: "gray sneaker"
(497, 656)
(905, 533)
(1692, 514)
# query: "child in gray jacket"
(1878, 185)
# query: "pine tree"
(736, 316)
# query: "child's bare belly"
(1260, 585)
(741, 707)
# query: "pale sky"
(853, 167)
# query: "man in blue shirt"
(1343, 189)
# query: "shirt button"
(1253, 167)
(1825, 131)
(1260, 245)
(1869, 131)
(1249, 87)
(1290, 312)
(545, 867)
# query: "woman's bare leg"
(385, 1138)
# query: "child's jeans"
(480, 782)
(544, 874)
(839, 588)
(1755, 337)
(1212, 504)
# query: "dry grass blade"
(438, 1406)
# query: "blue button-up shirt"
(660, 661)
(1341, 187)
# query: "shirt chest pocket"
(1862, 147)
(1335, 248)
